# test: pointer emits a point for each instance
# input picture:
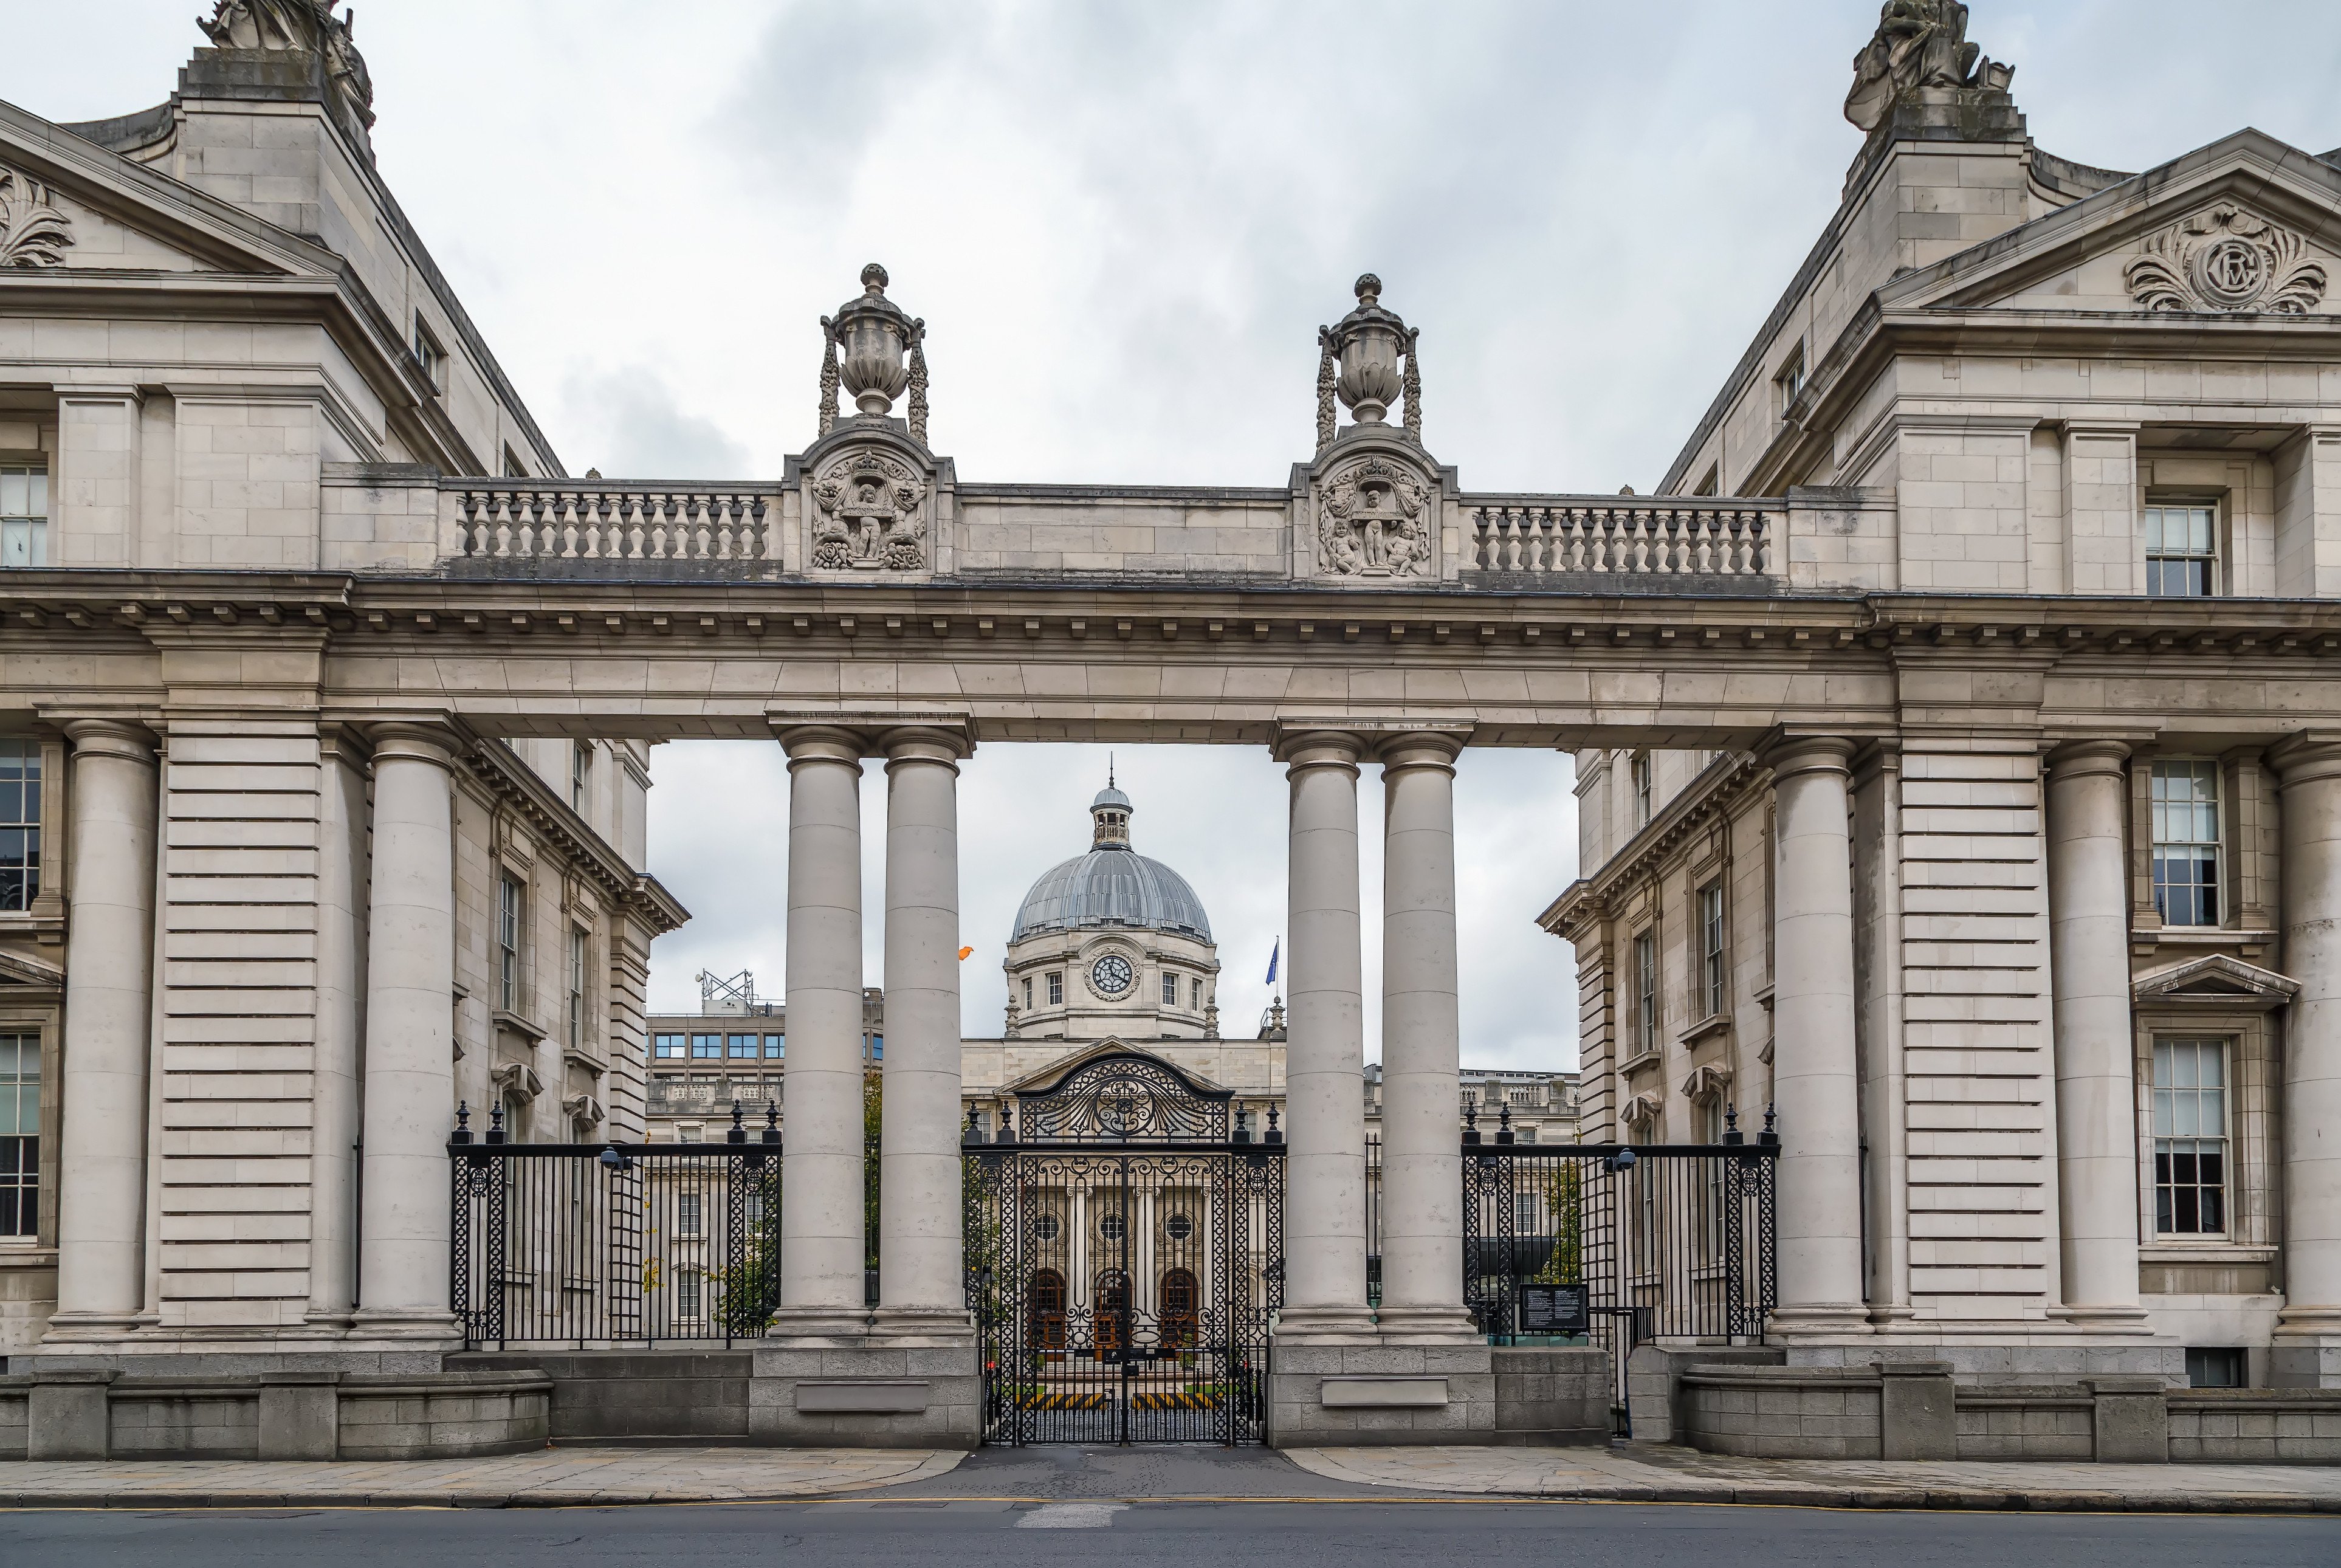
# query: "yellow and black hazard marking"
(1065, 1401)
(1174, 1402)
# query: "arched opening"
(1181, 1301)
(1113, 1314)
(1046, 1300)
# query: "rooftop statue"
(308, 25)
(1918, 44)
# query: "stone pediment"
(2246, 228)
(69, 207)
(1049, 1074)
(2215, 981)
(18, 972)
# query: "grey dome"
(1112, 886)
(1111, 797)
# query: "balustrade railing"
(591, 522)
(1703, 539)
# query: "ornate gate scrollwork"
(1125, 1254)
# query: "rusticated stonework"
(2224, 260)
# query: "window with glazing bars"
(577, 945)
(580, 776)
(24, 517)
(2186, 811)
(20, 1134)
(508, 928)
(20, 824)
(1169, 991)
(1710, 950)
(1056, 990)
(1646, 992)
(2182, 550)
(2190, 1137)
(1638, 772)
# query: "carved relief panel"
(870, 511)
(1372, 516)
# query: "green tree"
(1562, 1187)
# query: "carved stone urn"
(1369, 342)
(874, 334)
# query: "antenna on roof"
(1109, 770)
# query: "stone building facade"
(1976, 657)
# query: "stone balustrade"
(594, 521)
(1568, 537)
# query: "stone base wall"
(1553, 1395)
(1917, 1410)
(635, 1396)
(1341, 1395)
(55, 1413)
(866, 1396)
(1654, 1383)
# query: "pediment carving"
(869, 514)
(2224, 260)
(2215, 981)
(35, 233)
(1373, 521)
(1641, 1110)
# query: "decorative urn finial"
(874, 349)
(1368, 360)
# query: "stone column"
(109, 1000)
(410, 1062)
(1422, 1175)
(2306, 1347)
(921, 1292)
(820, 1186)
(1815, 1083)
(341, 997)
(2097, 1092)
(1325, 1177)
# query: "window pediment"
(2214, 981)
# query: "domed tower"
(1112, 943)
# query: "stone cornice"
(516, 786)
(1720, 784)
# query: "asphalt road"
(1333, 1532)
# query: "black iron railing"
(598, 1244)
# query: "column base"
(405, 1327)
(1428, 1325)
(89, 1328)
(1818, 1322)
(922, 1327)
(2305, 1352)
(815, 1327)
(2120, 1321)
(1327, 1326)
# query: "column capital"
(1423, 748)
(946, 743)
(1300, 748)
(819, 743)
(2305, 757)
(129, 742)
(2076, 759)
(1790, 754)
(416, 741)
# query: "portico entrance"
(1125, 1246)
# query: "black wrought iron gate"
(1125, 1247)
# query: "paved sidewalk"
(551, 1478)
(1632, 1473)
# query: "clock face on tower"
(1112, 976)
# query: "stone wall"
(1552, 1395)
(1362, 1394)
(294, 1415)
(634, 1396)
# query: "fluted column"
(921, 1292)
(109, 1000)
(2307, 1348)
(2097, 1094)
(1325, 1178)
(1422, 1173)
(1815, 1083)
(821, 1244)
(410, 1060)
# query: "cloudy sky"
(1122, 225)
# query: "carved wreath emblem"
(1371, 522)
(34, 233)
(2224, 260)
(869, 516)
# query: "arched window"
(1047, 1300)
(1181, 1302)
(1112, 1313)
